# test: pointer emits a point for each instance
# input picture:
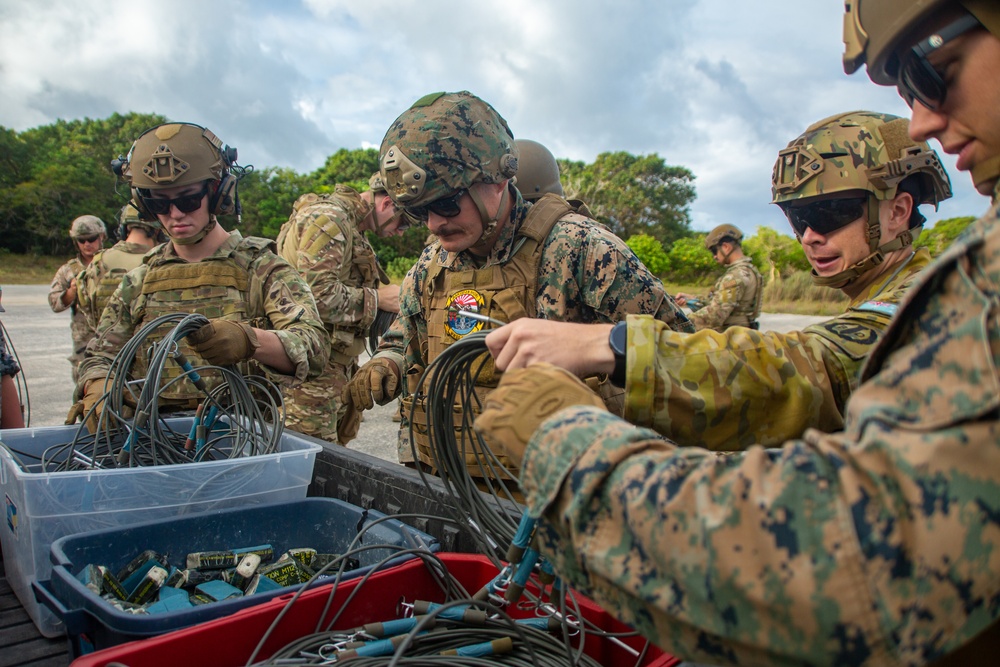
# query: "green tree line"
(54, 173)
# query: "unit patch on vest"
(457, 325)
(879, 307)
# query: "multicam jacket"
(727, 391)
(322, 241)
(96, 283)
(734, 301)
(585, 274)
(877, 545)
(242, 280)
(78, 323)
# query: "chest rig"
(504, 292)
(216, 288)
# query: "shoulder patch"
(882, 307)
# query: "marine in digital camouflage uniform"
(262, 316)
(877, 545)
(98, 281)
(88, 233)
(324, 239)
(736, 297)
(504, 258)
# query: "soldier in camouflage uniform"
(263, 318)
(11, 415)
(88, 233)
(735, 299)
(538, 175)
(324, 239)
(101, 278)
(449, 159)
(877, 545)
(727, 391)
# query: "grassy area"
(794, 294)
(28, 269)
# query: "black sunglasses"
(917, 79)
(825, 217)
(446, 207)
(184, 203)
(87, 239)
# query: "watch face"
(618, 339)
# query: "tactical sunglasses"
(184, 203)
(87, 239)
(917, 79)
(825, 217)
(446, 207)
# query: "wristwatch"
(618, 342)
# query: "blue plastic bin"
(325, 524)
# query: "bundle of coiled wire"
(240, 416)
(477, 631)
(491, 512)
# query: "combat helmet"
(537, 170)
(128, 217)
(178, 154)
(878, 32)
(443, 144)
(721, 233)
(860, 151)
(87, 225)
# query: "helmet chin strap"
(191, 240)
(491, 224)
(877, 256)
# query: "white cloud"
(718, 86)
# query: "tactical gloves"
(375, 382)
(92, 395)
(524, 399)
(224, 342)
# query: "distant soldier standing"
(324, 239)
(88, 233)
(735, 299)
(97, 282)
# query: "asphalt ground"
(41, 340)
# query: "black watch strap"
(618, 342)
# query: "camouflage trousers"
(314, 408)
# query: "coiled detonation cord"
(240, 416)
(448, 388)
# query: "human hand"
(523, 400)
(375, 382)
(224, 342)
(681, 298)
(388, 298)
(93, 394)
(582, 349)
(348, 425)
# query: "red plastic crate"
(230, 641)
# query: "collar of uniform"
(225, 250)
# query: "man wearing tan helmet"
(324, 239)
(876, 545)
(728, 390)
(735, 299)
(449, 159)
(262, 316)
(88, 233)
(97, 282)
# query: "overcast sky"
(717, 86)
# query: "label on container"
(11, 514)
